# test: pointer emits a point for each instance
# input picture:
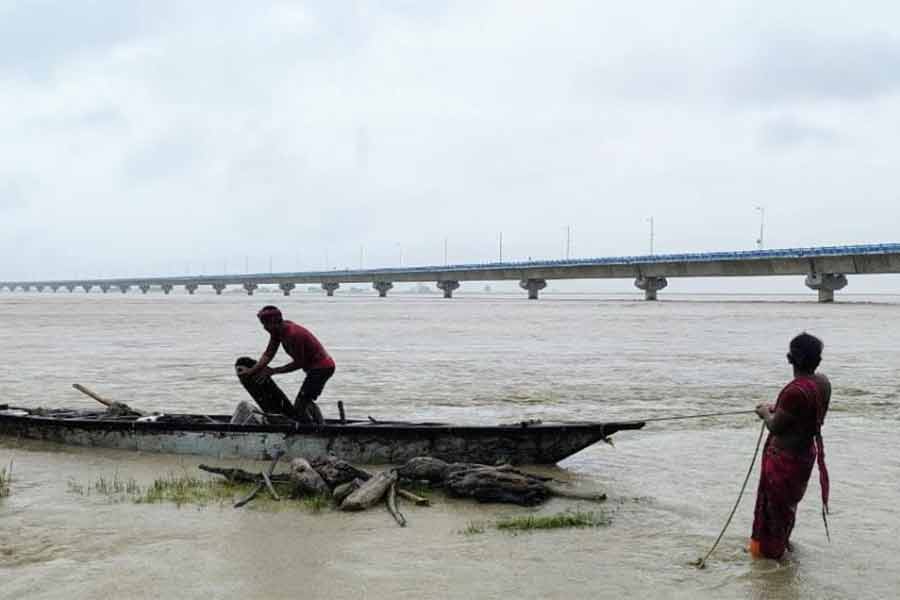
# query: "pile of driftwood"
(353, 489)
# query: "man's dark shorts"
(313, 385)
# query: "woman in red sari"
(793, 446)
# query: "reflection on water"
(469, 360)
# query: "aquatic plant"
(115, 488)
(316, 502)
(186, 489)
(179, 489)
(561, 520)
(5, 477)
(75, 487)
(473, 528)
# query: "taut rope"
(700, 416)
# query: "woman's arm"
(778, 421)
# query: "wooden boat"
(528, 442)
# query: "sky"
(161, 137)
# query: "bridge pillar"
(71, 288)
(250, 288)
(286, 288)
(330, 287)
(54, 288)
(39, 287)
(144, 288)
(382, 287)
(26, 288)
(650, 285)
(191, 288)
(826, 284)
(87, 288)
(448, 287)
(533, 286)
(104, 287)
(166, 288)
(124, 288)
(219, 287)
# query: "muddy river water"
(473, 359)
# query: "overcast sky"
(151, 137)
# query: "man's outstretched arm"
(288, 368)
(262, 365)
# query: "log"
(307, 482)
(417, 500)
(487, 484)
(371, 491)
(242, 476)
(269, 485)
(250, 496)
(345, 489)
(425, 468)
(390, 501)
(436, 470)
(563, 492)
(118, 408)
(336, 472)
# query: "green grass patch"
(315, 503)
(5, 478)
(187, 489)
(178, 489)
(568, 519)
(184, 489)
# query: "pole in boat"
(107, 403)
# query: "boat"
(368, 441)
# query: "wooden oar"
(104, 401)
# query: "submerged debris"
(352, 489)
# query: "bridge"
(825, 270)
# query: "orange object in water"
(755, 549)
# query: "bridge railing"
(780, 253)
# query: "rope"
(715, 414)
(700, 563)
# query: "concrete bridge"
(825, 269)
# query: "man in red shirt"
(306, 352)
(794, 445)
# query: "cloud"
(817, 68)
(786, 131)
(12, 194)
(214, 131)
(38, 36)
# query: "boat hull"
(355, 442)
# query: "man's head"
(805, 352)
(271, 318)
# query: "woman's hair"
(806, 352)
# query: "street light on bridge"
(652, 233)
(762, 222)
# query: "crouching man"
(306, 353)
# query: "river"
(477, 358)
